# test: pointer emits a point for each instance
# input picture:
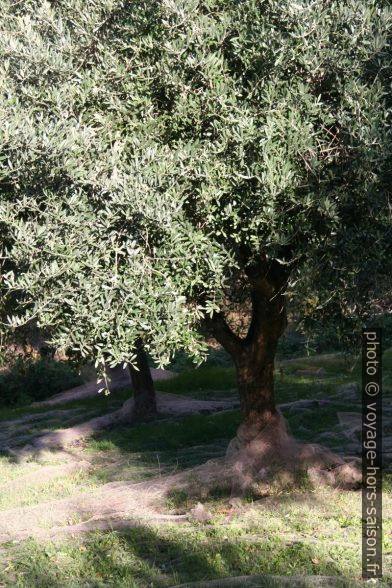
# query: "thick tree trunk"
(255, 376)
(263, 449)
(143, 386)
(254, 355)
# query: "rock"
(200, 514)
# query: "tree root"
(261, 452)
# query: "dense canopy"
(155, 154)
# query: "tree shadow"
(146, 556)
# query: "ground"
(55, 530)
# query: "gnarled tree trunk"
(254, 355)
(263, 445)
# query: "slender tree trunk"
(143, 386)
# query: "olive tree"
(161, 159)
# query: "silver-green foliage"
(152, 150)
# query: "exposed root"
(260, 459)
(260, 453)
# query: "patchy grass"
(297, 531)
(170, 435)
(62, 487)
(296, 534)
(215, 382)
(101, 403)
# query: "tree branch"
(224, 335)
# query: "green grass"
(172, 435)
(203, 382)
(207, 382)
(284, 537)
(100, 402)
(297, 531)
(170, 444)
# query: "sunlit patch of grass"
(289, 535)
(60, 487)
(295, 530)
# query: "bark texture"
(145, 406)
(254, 355)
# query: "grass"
(203, 382)
(289, 536)
(172, 435)
(296, 531)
